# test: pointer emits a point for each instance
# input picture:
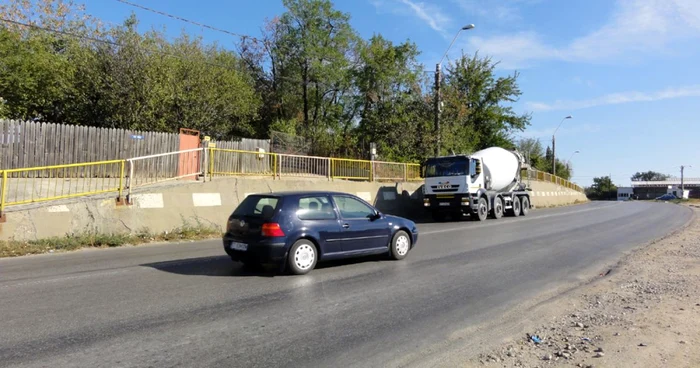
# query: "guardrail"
(228, 162)
(152, 169)
(49, 183)
(533, 174)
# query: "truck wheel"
(525, 206)
(516, 207)
(482, 210)
(497, 211)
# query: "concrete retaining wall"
(166, 208)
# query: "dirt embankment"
(646, 313)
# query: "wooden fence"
(33, 144)
(25, 144)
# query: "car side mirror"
(375, 216)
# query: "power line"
(108, 42)
(60, 32)
(244, 37)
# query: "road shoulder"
(645, 313)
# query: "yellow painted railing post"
(3, 194)
(332, 162)
(274, 166)
(211, 163)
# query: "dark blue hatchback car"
(302, 228)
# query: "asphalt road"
(187, 305)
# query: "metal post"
(211, 163)
(130, 180)
(682, 183)
(437, 109)
(120, 200)
(3, 195)
(329, 168)
(405, 173)
(554, 157)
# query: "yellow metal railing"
(547, 177)
(342, 168)
(48, 183)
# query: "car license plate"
(445, 204)
(239, 246)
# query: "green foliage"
(603, 188)
(477, 113)
(311, 76)
(649, 176)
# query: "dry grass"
(89, 239)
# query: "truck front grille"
(444, 188)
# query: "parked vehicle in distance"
(299, 229)
(666, 197)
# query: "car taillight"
(272, 230)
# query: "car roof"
(302, 193)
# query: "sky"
(626, 70)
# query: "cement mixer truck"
(482, 184)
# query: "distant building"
(625, 193)
(653, 189)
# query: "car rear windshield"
(257, 206)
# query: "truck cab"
(451, 182)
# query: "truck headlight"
(426, 202)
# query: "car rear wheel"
(302, 257)
(400, 245)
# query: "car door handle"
(345, 226)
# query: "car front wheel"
(302, 257)
(400, 245)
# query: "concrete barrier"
(166, 208)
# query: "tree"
(531, 149)
(649, 176)
(602, 188)
(477, 111)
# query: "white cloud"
(430, 14)
(618, 98)
(636, 27)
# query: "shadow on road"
(222, 266)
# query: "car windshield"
(446, 166)
(257, 206)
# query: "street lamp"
(682, 184)
(554, 155)
(437, 88)
(568, 162)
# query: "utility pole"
(682, 186)
(437, 109)
(554, 155)
(437, 89)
